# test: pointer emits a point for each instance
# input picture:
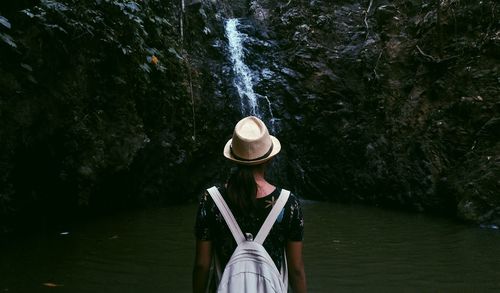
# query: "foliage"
(85, 87)
(401, 95)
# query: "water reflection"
(347, 249)
(366, 249)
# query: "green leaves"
(88, 80)
(173, 51)
(7, 39)
(5, 22)
(54, 5)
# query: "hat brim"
(274, 152)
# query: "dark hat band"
(251, 160)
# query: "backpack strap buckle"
(249, 236)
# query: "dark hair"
(242, 188)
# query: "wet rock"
(395, 105)
(379, 91)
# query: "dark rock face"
(99, 106)
(391, 103)
(118, 103)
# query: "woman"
(250, 197)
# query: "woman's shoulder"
(207, 200)
(293, 200)
(293, 213)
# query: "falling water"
(242, 74)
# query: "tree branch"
(366, 18)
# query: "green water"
(347, 249)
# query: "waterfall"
(245, 80)
(242, 74)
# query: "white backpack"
(251, 268)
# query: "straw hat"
(251, 143)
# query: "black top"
(289, 226)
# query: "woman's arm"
(201, 268)
(296, 273)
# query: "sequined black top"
(210, 225)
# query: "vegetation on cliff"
(106, 103)
(96, 104)
(397, 102)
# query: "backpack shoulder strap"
(273, 215)
(226, 213)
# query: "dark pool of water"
(347, 249)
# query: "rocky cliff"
(108, 104)
(98, 106)
(391, 102)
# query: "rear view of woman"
(250, 198)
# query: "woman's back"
(289, 226)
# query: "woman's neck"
(263, 187)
